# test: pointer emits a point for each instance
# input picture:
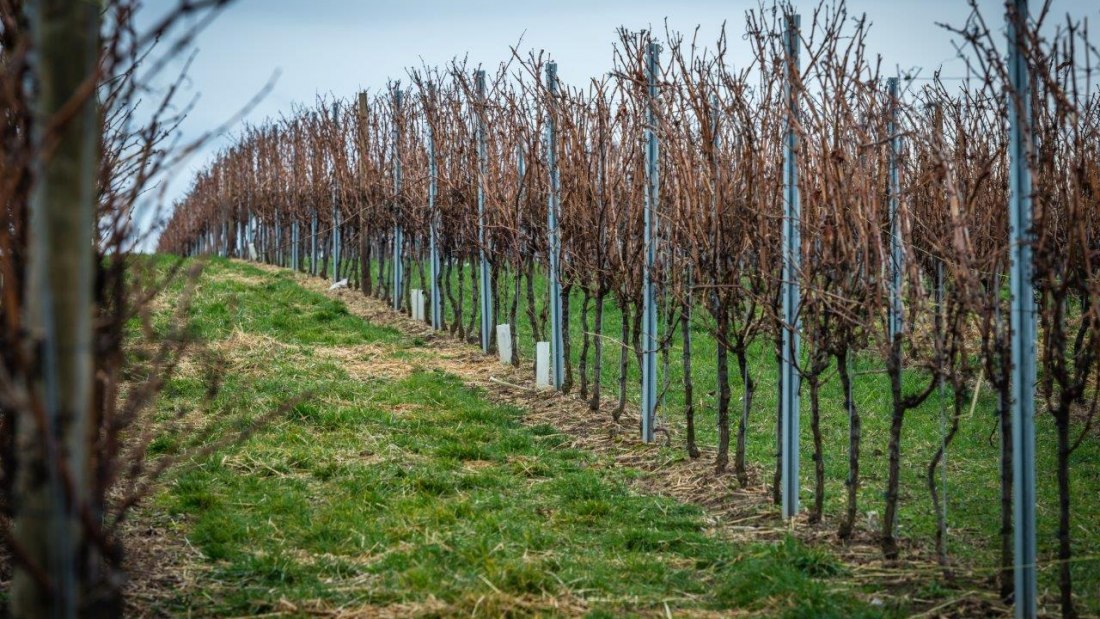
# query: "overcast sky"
(338, 47)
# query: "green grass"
(973, 490)
(416, 489)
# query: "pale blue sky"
(343, 46)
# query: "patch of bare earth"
(160, 563)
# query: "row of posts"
(550, 359)
(1022, 300)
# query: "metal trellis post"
(483, 238)
(398, 232)
(313, 243)
(335, 203)
(649, 294)
(897, 258)
(278, 239)
(437, 307)
(294, 245)
(1023, 317)
(717, 172)
(557, 361)
(790, 379)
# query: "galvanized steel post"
(557, 365)
(398, 232)
(335, 202)
(313, 243)
(897, 258)
(294, 239)
(1023, 315)
(485, 285)
(278, 240)
(791, 292)
(433, 229)
(649, 294)
(716, 170)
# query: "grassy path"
(397, 488)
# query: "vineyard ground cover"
(412, 492)
(973, 491)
